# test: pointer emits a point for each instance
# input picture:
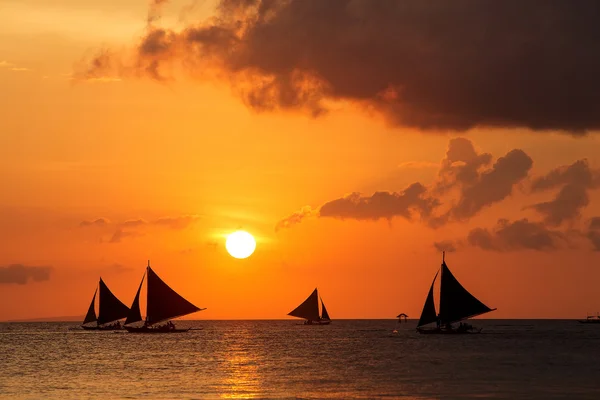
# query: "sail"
(91, 314)
(456, 303)
(135, 314)
(309, 309)
(163, 302)
(111, 308)
(324, 314)
(428, 314)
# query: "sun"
(240, 244)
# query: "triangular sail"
(324, 313)
(163, 302)
(111, 308)
(91, 314)
(135, 314)
(309, 309)
(428, 315)
(456, 303)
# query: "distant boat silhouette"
(456, 304)
(163, 304)
(110, 309)
(590, 320)
(309, 310)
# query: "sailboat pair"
(456, 304)
(162, 305)
(309, 310)
(110, 311)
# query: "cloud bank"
(429, 65)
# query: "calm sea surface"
(281, 359)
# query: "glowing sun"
(240, 244)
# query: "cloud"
(21, 274)
(96, 222)
(296, 217)
(132, 223)
(386, 205)
(518, 235)
(120, 234)
(493, 185)
(593, 233)
(13, 67)
(463, 172)
(429, 65)
(180, 222)
(417, 165)
(445, 245)
(574, 181)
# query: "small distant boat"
(590, 320)
(110, 309)
(309, 310)
(163, 304)
(456, 304)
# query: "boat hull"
(316, 322)
(589, 321)
(102, 328)
(145, 329)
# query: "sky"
(355, 140)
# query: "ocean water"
(516, 359)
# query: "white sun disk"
(240, 244)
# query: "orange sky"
(189, 153)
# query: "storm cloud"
(517, 235)
(429, 65)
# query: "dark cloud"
(423, 64)
(96, 222)
(594, 223)
(493, 185)
(22, 274)
(574, 181)
(381, 205)
(445, 245)
(517, 235)
(463, 172)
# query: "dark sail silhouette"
(91, 314)
(135, 315)
(456, 304)
(429, 315)
(324, 314)
(110, 309)
(163, 303)
(309, 310)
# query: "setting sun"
(240, 244)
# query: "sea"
(281, 359)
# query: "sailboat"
(163, 304)
(456, 304)
(110, 309)
(309, 310)
(590, 320)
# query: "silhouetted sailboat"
(163, 304)
(456, 304)
(110, 309)
(590, 320)
(309, 310)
